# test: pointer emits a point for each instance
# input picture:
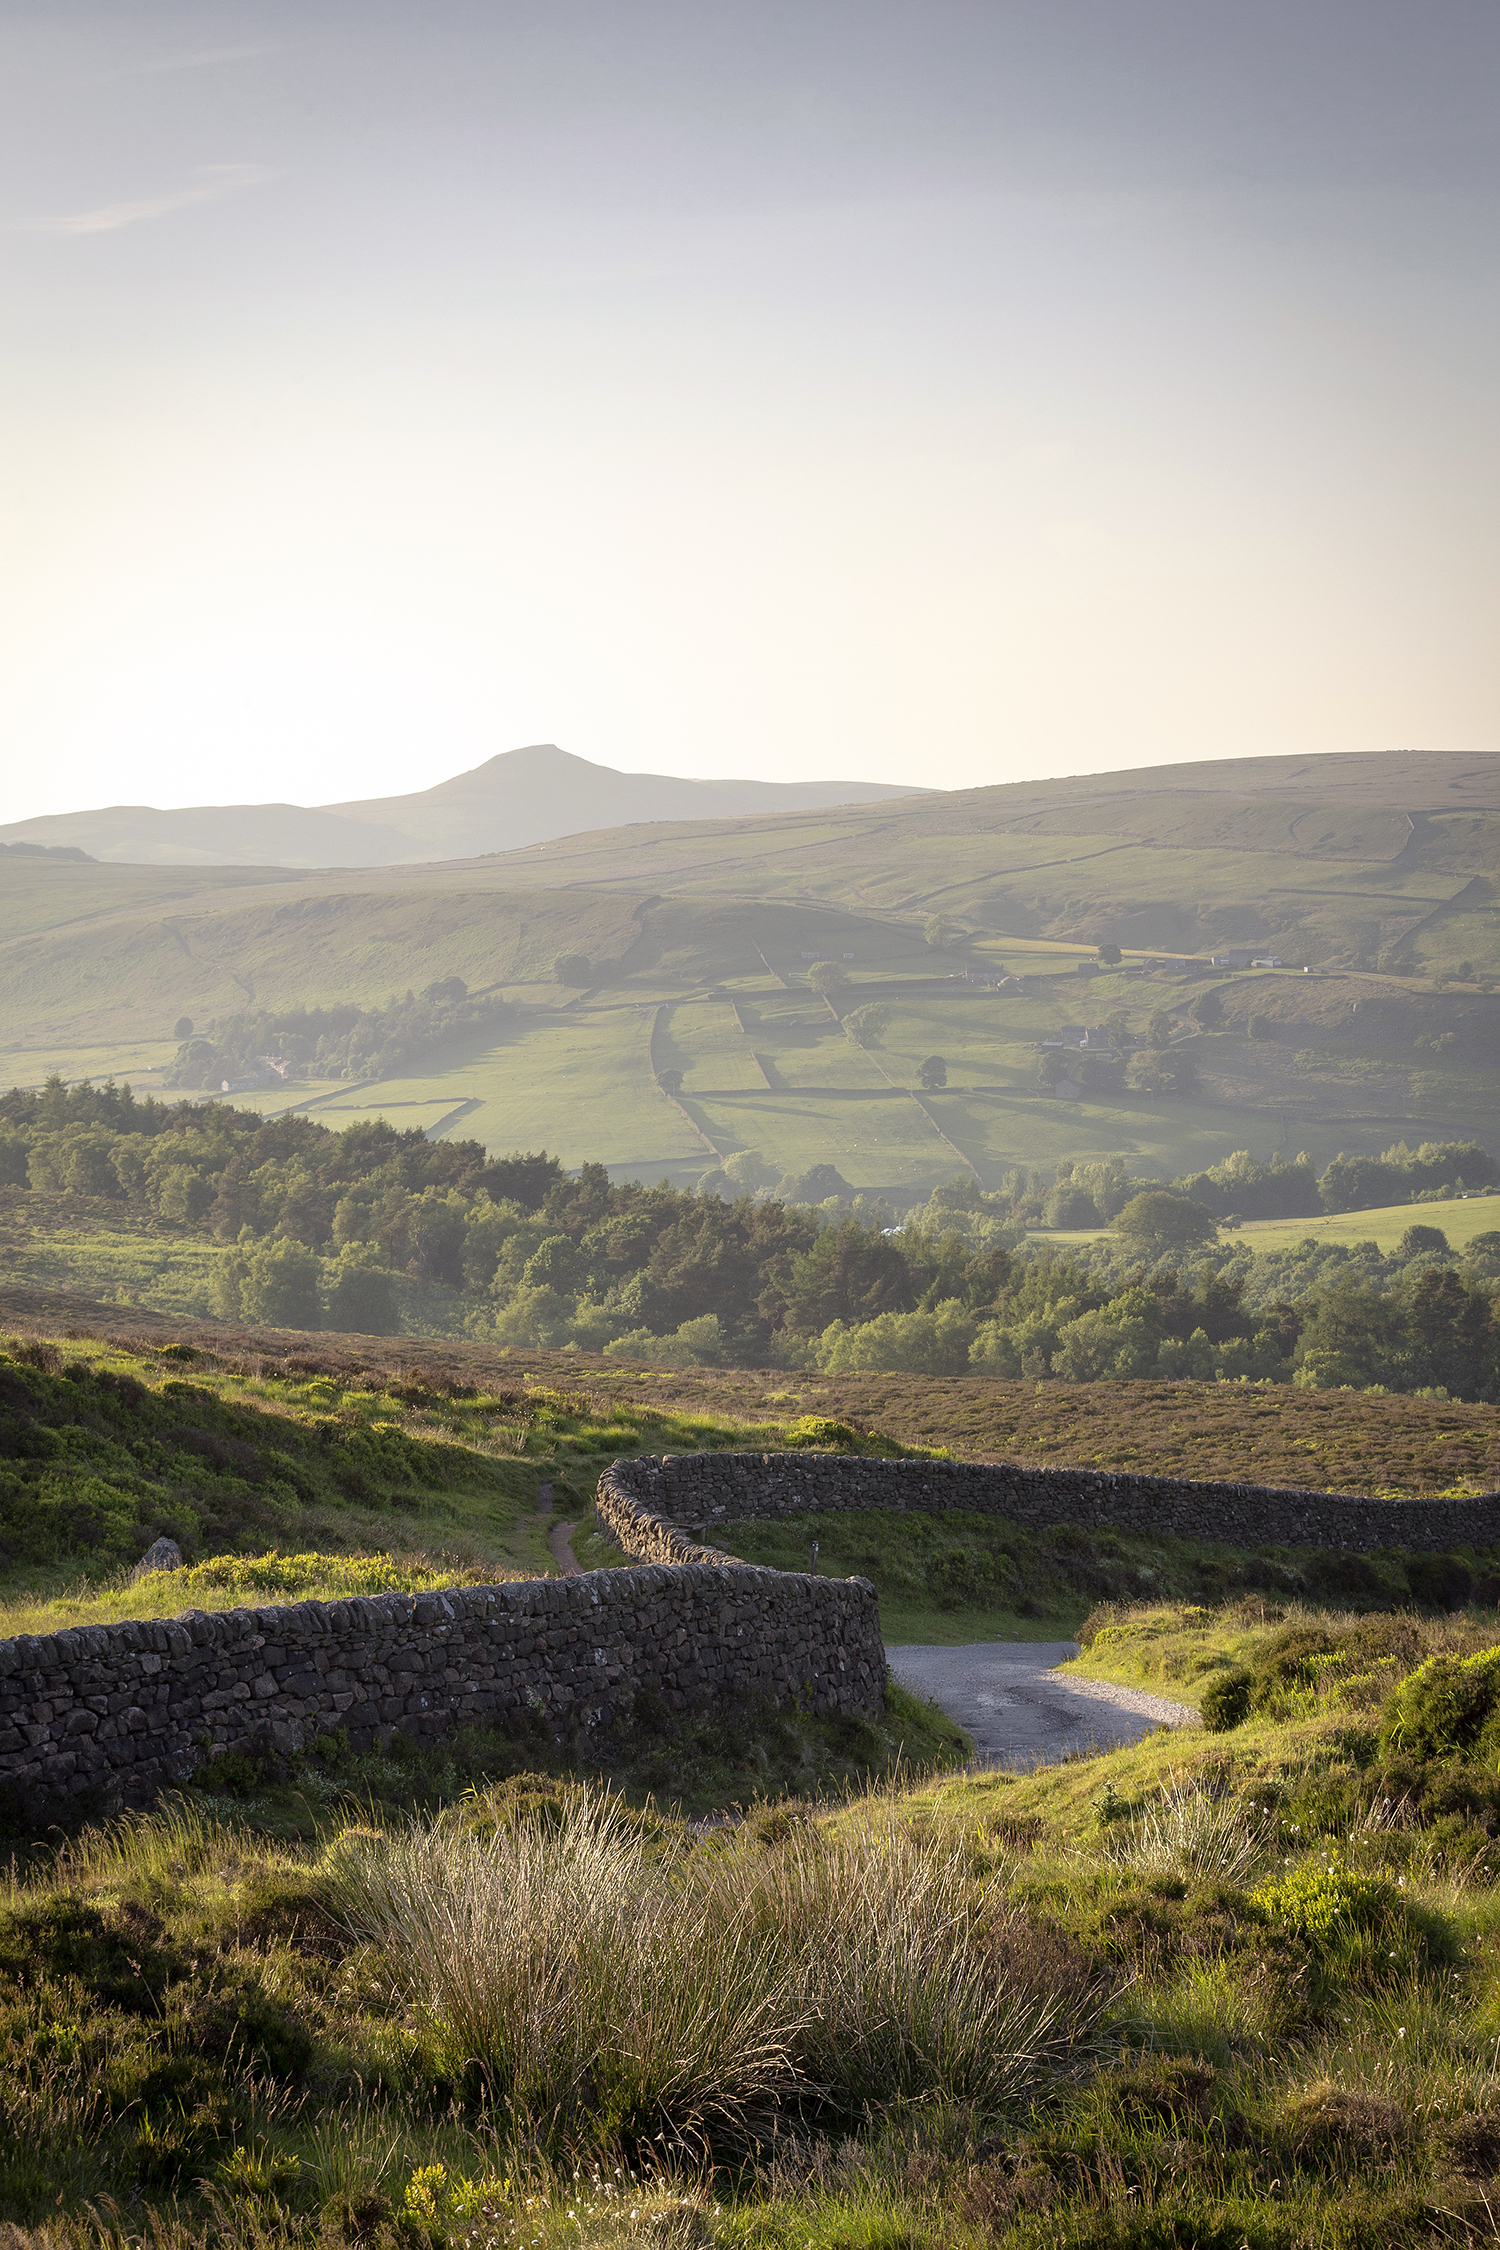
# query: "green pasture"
(140, 1061)
(879, 1140)
(702, 1040)
(1460, 1218)
(579, 1084)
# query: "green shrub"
(1447, 1706)
(1320, 1898)
(816, 1429)
(1226, 1700)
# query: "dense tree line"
(360, 1228)
(343, 1041)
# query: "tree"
(1070, 1206)
(864, 1025)
(1178, 1071)
(828, 977)
(1159, 1029)
(572, 968)
(1117, 1025)
(932, 1073)
(747, 1170)
(1417, 1239)
(670, 1082)
(182, 1029)
(938, 932)
(362, 1300)
(1110, 954)
(280, 1288)
(1161, 1221)
(1208, 1008)
(847, 1274)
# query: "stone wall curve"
(653, 1506)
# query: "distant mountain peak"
(515, 798)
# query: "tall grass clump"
(593, 1979)
(1198, 1832)
(562, 1963)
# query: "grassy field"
(109, 1256)
(576, 1077)
(1460, 1218)
(1228, 1990)
(329, 1467)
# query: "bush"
(1439, 1581)
(1447, 1705)
(817, 1429)
(1320, 1898)
(1226, 1700)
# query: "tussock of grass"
(1195, 1832)
(603, 1985)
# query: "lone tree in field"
(1160, 1221)
(1159, 1029)
(936, 931)
(572, 968)
(182, 1028)
(670, 1082)
(828, 977)
(1417, 1239)
(864, 1025)
(932, 1073)
(1110, 956)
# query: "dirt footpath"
(1022, 1712)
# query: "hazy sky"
(937, 392)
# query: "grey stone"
(162, 1554)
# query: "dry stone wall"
(114, 1713)
(662, 1502)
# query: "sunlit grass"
(241, 1582)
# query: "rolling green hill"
(691, 1033)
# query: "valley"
(695, 1034)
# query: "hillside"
(691, 943)
(1340, 1440)
(1259, 1949)
(515, 799)
(1354, 858)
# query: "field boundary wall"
(112, 1714)
(653, 1507)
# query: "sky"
(942, 393)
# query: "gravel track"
(1021, 1711)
